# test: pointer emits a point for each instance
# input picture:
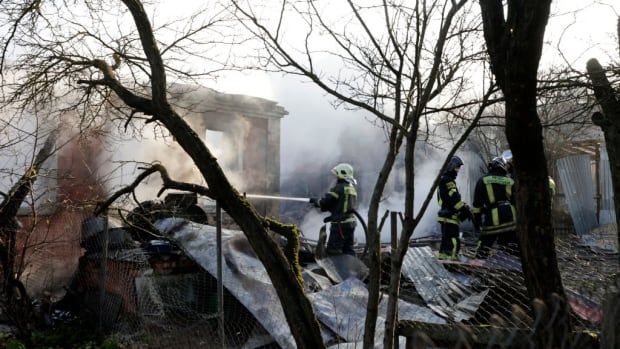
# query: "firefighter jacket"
(494, 204)
(451, 208)
(339, 201)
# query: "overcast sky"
(577, 31)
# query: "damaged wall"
(86, 172)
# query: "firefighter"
(339, 201)
(494, 209)
(552, 190)
(507, 157)
(452, 211)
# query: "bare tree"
(69, 49)
(606, 93)
(401, 63)
(609, 119)
(514, 42)
(15, 301)
(563, 105)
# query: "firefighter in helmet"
(452, 210)
(339, 201)
(494, 209)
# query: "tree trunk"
(398, 253)
(297, 309)
(394, 289)
(609, 122)
(514, 44)
(410, 223)
(535, 233)
(374, 242)
(610, 331)
(296, 306)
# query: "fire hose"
(308, 200)
(354, 212)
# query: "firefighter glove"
(315, 202)
(465, 213)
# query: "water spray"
(276, 197)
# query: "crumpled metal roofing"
(341, 308)
(441, 291)
(243, 274)
(341, 267)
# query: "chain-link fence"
(504, 318)
(158, 288)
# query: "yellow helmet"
(343, 171)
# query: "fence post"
(103, 270)
(611, 316)
(220, 283)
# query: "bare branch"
(168, 183)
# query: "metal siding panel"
(608, 213)
(576, 176)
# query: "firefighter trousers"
(340, 239)
(506, 240)
(450, 242)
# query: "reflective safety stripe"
(448, 220)
(476, 210)
(451, 191)
(333, 194)
(348, 220)
(498, 180)
(459, 205)
(454, 246)
(495, 216)
(349, 192)
(552, 186)
(501, 180)
(507, 183)
(490, 193)
(486, 230)
(444, 256)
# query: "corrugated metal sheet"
(607, 214)
(341, 308)
(576, 176)
(441, 291)
(341, 267)
(244, 275)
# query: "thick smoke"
(131, 151)
(316, 137)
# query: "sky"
(577, 31)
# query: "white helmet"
(343, 171)
(507, 156)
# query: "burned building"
(242, 131)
